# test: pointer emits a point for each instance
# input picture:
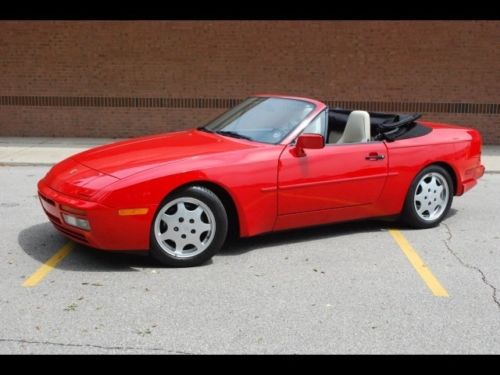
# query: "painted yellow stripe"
(48, 266)
(425, 273)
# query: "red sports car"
(270, 163)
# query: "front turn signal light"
(132, 211)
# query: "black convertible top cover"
(389, 126)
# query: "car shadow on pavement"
(41, 241)
(244, 245)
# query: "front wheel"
(189, 227)
(429, 198)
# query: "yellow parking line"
(48, 266)
(425, 273)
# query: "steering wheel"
(276, 134)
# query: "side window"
(317, 125)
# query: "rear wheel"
(189, 227)
(429, 198)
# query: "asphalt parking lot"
(348, 288)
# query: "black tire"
(410, 216)
(214, 204)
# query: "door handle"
(375, 156)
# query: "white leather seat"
(357, 128)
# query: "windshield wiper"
(203, 129)
(230, 133)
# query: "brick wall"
(396, 62)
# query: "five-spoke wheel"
(429, 198)
(189, 227)
(185, 227)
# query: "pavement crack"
(24, 341)
(470, 266)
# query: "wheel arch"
(448, 168)
(226, 199)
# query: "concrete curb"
(44, 164)
(21, 164)
(20, 151)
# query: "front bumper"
(109, 231)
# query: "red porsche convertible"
(270, 163)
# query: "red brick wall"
(378, 61)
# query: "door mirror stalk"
(305, 141)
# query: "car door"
(333, 177)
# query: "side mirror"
(307, 140)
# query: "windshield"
(267, 120)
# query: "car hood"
(125, 158)
(76, 180)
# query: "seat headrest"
(357, 129)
